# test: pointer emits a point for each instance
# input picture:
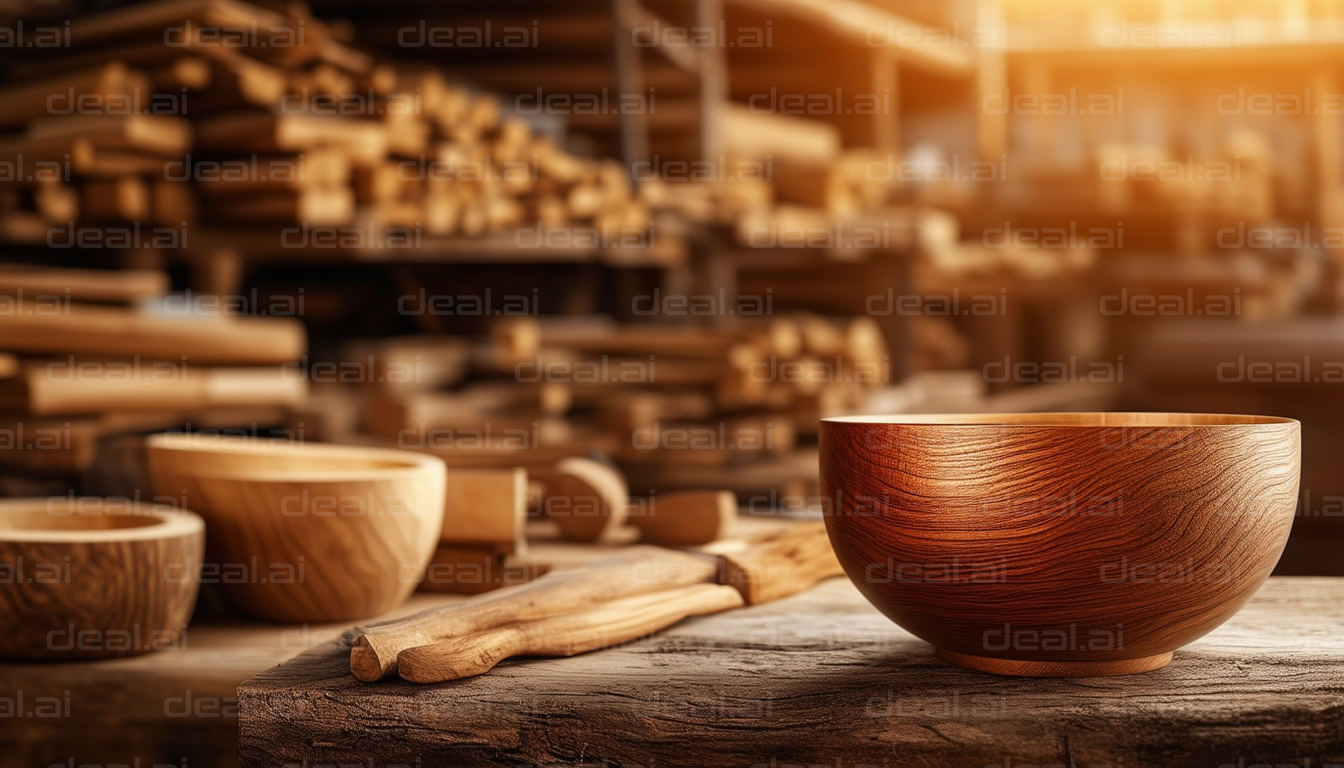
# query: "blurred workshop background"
(669, 233)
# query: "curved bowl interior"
(208, 456)
(65, 518)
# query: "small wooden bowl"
(90, 578)
(306, 532)
(1059, 545)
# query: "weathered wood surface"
(176, 707)
(823, 679)
(179, 707)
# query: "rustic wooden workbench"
(823, 679)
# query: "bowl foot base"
(1018, 668)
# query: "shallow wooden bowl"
(90, 578)
(305, 532)
(1060, 545)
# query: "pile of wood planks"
(86, 355)
(781, 180)
(520, 415)
(174, 111)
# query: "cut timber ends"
(486, 508)
(684, 518)
(586, 499)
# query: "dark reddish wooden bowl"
(1059, 545)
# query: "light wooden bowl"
(306, 532)
(90, 578)
(1059, 545)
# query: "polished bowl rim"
(154, 522)
(378, 463)
(1066, 420)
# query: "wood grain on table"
(823, 679)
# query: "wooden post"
(1329, 169)
(990, 79)
(218, 272)
(713, 81)
(886, 84)
(629, 63)
(718, 277)
(1036, 81)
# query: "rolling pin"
(637, 571)
(608, 624)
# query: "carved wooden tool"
(776, 565)
(605, 625)
(638, 571)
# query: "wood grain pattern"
(76, 386)
(635, 571)
(601, 626)
(125, 286)
(586, 499)
(822, 678)
(486, 508)
(181, 704)
(1045, 539)
(306, 532)
(468, 570)
(684, 518)
(80, 329)
(778, 564)
(90, 578)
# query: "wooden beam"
(713, 82)
(991, 78)
(1328, 129)
(867, 25)
(886, 84)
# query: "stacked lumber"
(1233, 185)
(85, 355)
(83, 146)
(608, 432)
(781, 181)
(1033, 254)
(248, 116)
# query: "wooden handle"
(779, 564)
(619, 621)
(638, 571)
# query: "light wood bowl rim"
(1067, 420)
(165, 522)
(406, 464)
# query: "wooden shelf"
(864, 25)
(356, 244)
